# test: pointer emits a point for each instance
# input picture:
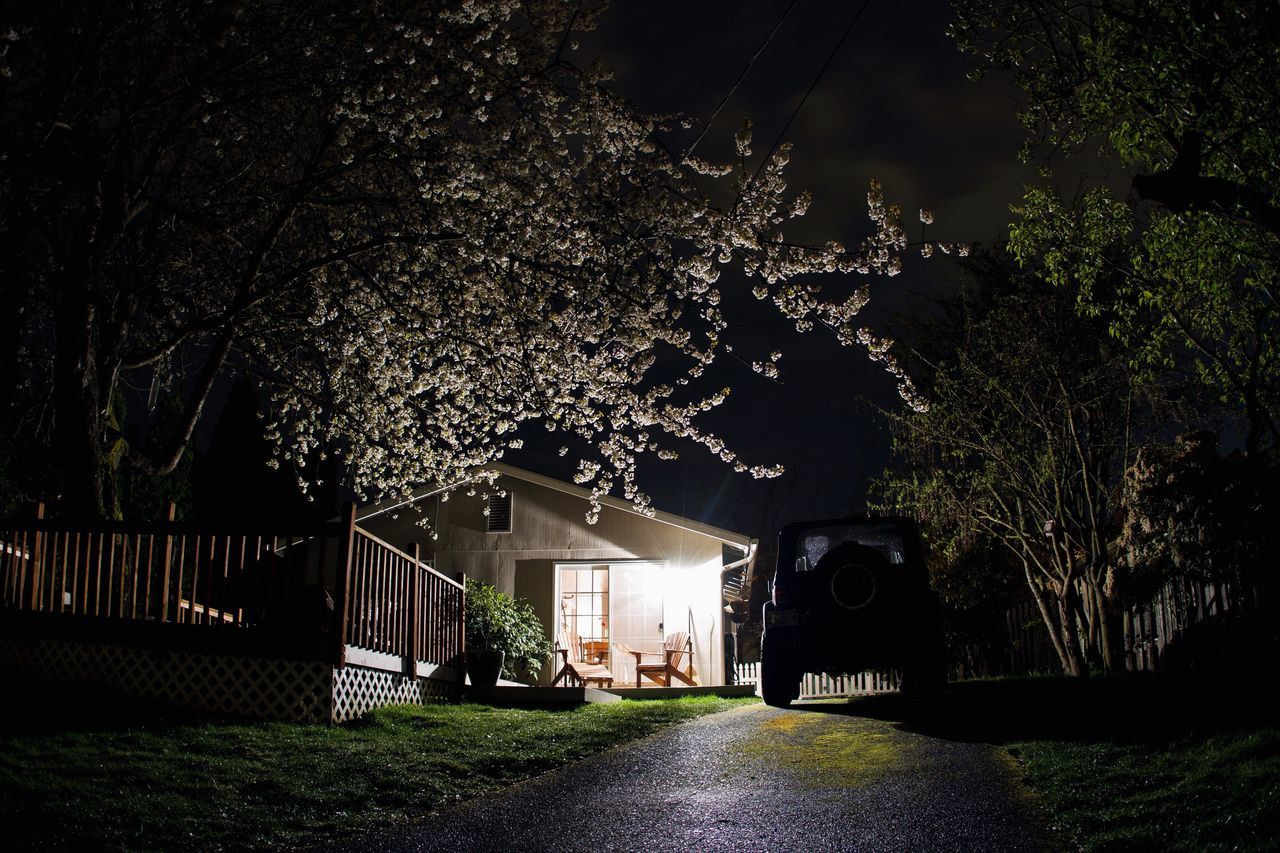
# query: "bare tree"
(1029, 428)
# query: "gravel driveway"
(754, 778)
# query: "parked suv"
(849, 595)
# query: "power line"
(745, 71)
(823, 70)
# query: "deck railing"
(398, 605)
(336, 579)
(167, 572)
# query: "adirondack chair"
(661, 672)
(573, 668)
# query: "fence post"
(342, 585)
(37, 559)
(461, 628)
(415, 608)
(168, 562)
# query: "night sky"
(894, 104)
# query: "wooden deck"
(170, 606)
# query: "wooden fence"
(1030, 649)
(1153, 629)
(336, 579)
(1156, 632)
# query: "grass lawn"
(116, 784)
(1137, 763)
(1213, 792)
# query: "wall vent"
(499, 518)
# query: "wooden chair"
(662, 672)
(574, 669)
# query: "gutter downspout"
(747, 560)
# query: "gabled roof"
(729, 537)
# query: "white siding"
(549, 526)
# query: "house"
(628, 578)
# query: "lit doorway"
(636, 601)
(583, 597)
(637, 604)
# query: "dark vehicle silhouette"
(849, 595)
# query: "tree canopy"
(417, 224)
(1184, 96)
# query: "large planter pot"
(484, 666)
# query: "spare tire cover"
(852, 574)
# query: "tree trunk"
(1258, 418)
(1110, 623)
(78, 410)
(1092, 630)
(86, 443)
(1057, 634)
(1068, 607)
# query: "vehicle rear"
(850, 595)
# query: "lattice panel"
(357, 690)
(262, 688)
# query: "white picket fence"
(819, 686)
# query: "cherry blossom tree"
(418, 225)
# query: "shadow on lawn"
(51, 707)
(1133, 708)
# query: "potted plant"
(504, 636)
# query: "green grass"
(218, 785)
(1214, 792)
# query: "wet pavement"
(754, 778)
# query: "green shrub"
(497, 622)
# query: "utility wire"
(823, 70)
(745, 71)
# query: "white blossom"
(490, 240)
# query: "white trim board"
(738, 540)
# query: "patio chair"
(574, 668)
(661, 672)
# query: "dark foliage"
(238, 482)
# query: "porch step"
(512, 694)
(505, 694)
(726, 691)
